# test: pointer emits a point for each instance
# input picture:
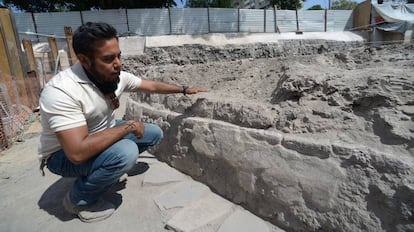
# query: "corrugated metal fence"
(173, 21)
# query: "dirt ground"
(330, 92)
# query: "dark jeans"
(98, 174)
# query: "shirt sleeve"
(61, 110)
(131, 82)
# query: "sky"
(308, 3)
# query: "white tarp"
(395, 13)
(397, 18)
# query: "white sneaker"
(123, 178)
(97, 212)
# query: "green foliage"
(78, 5)
(315, 7)
(343, 5)
(287, 4)
(210, 3)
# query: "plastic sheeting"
(397, 18)
(395, 13)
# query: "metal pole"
(127, 21)
(169, 18)
(238, 19)
(208, 19)
(297, 22)
(35, 26)
(81, 17)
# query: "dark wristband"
(185, 89)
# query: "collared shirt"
(71, 100)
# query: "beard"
(106, 87)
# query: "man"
(80, 136)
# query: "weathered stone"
(311, 139)
(203, 213)
(307, 146)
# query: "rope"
(44, 35)
(367, 25)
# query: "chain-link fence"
(14, 116)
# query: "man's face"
(106, 64)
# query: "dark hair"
(87, 35)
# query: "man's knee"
(126, 151)
(156, 133)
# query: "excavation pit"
(311, 135)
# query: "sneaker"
(123, 178)
(97, 212)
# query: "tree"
(287, 5)
(197, 3)
(315, 7)
(210, 3)
(343, 5)
(78, 5)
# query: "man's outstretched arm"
(165, 88)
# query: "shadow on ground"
(51, 199)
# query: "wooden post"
(326, 19)
(69, 40)
(11, 63)
(33, 72)
(54, 49)
(27, 45)
(35, 88)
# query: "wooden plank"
(54, 50)
(14, 79)
(28, 47)
(69, 40)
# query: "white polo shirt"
(71, 100)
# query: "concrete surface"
(135, 45)
(221, 39)
(155, 197)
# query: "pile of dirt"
(352, 92)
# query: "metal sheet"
(189, 21)
(54, 23)
(286, 20)
(339, 20)
(24, 23)
(270, 21)
(149, 22)
(223, 20)
(251, 20)
(116, 18)
(311, 20)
